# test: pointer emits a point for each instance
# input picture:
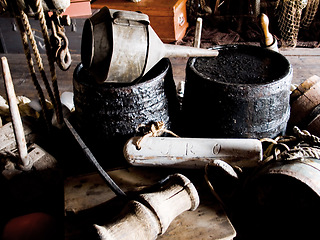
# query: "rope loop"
(285, 148)
(154, 129)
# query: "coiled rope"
(26, 36)
(44, 29)
(25, 43)
(301, 145)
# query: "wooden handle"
(197, 34)
(15, 115)
(152, 212)
(171, 50)
(268, 38)
(136, 221)
(192, 152)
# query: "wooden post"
(268, 38)
(269, 41)
(15, 115)
(197, 35)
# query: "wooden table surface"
(208, 221)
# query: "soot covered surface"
(223, 107)
(236, 64)
(109, 114)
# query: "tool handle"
(171, 50)
(152, 212)
(15, 114)
(192, 152)
(268, 37)
(135, 221)
(197, 35)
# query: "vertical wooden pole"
(268, 38)
(15, 115)
(197, 35)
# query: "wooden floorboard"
(305, 63)
(21, 77)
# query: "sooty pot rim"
(159, 71)
(252, 49)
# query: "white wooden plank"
(192, 152)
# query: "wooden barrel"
(313, 121)
(109, 114)
(282, 200)
(303, 100)
(244, 92)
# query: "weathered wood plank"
(23, 82)
(208, 221)
(191, 152)
(7, 138)
(304, 67)
(305, 63)
(300, 52)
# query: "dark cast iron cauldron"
(109, 114)
(244, 92)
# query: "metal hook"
(64, 59)
(60, 43)
(63, 56)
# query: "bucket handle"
(119, 16)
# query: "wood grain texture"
(167, 18)
(305, 63)
(83, 193)
(161, 7)
(22, 81)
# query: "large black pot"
(244, 92)
(109, 114)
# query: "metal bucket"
(283, 200)
(246, 95)
(109, 114)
